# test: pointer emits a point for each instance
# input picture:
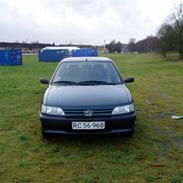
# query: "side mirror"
(44, 81)
(129, 80)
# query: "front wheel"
(130, 134)
(44, 134)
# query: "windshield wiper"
(95, 82)
(66, 82)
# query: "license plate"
(89, 125)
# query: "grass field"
(154, 154)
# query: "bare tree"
(166, 41)
(114, 46)
(177, 24)
(131, 45)
(171, 32)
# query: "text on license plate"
(92, 125)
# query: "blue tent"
(11, 57)
(85, 52)
(53, 55)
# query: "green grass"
(154, 154)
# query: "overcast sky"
(86, 21)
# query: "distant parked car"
(86, 95)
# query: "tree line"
(147, 45)
(169, 37)
(36, 45)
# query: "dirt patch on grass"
(161, 115)
(165, 149)
(169, 140)
(179, 142)
(164, 142)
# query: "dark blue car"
(86, 95)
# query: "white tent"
(70, 48)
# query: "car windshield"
(86, 73)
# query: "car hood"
(87, 96)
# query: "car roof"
(86, 59)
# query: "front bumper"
(63, 125)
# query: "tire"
(130, 134)
(44, 134)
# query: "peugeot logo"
(88, 113)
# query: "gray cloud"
(86, 21)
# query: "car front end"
(93, 106)
(75, 121)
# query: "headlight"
(124, 109)
(52, 110)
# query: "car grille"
(80, 113)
